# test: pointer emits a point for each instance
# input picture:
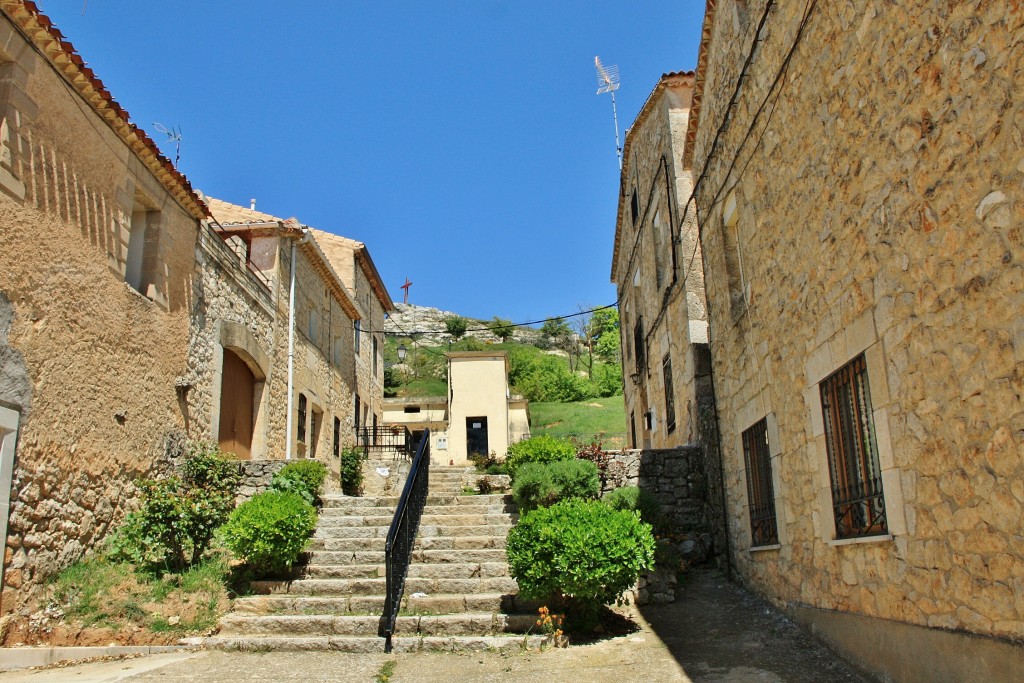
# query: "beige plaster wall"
(878, 210)
(94, 362)
(478, 386)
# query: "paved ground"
(715, 633)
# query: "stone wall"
(89, 362)
(871, 202)
(256, 476)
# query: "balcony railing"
(392, 440)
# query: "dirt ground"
(716, 633)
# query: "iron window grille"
(764, 528)
(670, 399)
(858, 503)
(302, 418)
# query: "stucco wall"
(879, 210)
(478, 387)
(99, 359)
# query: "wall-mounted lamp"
(636, 378)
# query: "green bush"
(270, 530)
(579, 549)
(352, 471)
(304, 477)
(634, 499)
(542, 484)
(542, 448)
(178, 515)
(534, 487)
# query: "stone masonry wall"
(90, 363)
(875, 206)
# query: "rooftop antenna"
(174, 135)
(608, 81)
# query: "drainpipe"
(290, 441)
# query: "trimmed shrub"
(352, 471)
(634, 499)
(579, 549)
(178, 515)
(543, 484)
(270, 530)
(575, 479)
(304, 477)
(534, 487)
(543, 448)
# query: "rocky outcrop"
(429, 327)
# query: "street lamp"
(401, 353)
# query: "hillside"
(429, 324)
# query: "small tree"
(456, 326)
(503, 329)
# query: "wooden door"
(237, 395)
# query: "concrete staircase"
(458, 595)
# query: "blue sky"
(461, 140)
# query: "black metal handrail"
(402, 536)
(393, 439)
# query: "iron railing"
(402, 536)
(385, 439)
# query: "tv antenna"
(608, 81)
(173, 135)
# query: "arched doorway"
(237, 403)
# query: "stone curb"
(25, 657)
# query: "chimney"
(252, 204)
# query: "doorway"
(476, 436)
(237, 400)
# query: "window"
(638, 345)
(313, 327)
(670, 398)
(359, 329)
(632, 429)
(760, 492)
(634, 206)
(337, 437)
(141, 265)
(356, 412)
(856, 478)
(374, 356)
(302, 418)
(411, 409)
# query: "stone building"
(98, 233)
(242, 391)
(656, 268)
(859, 169)
(478, 416)
(351, 260)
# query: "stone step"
(467, 570)
(376, 586)
(505, 644)
(373, 605)
(425, 531)
(467, 624)
(391, 502)
(429, 518)
(423, 542)
(329, 557)
(340, 513)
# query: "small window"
(670, 399)
(412, 409)
(638, 345)
(760, 492)
(141, 266)
(337, 437)
(357, 413)
(856, 477)
(634, 206)
(359, 329)
(649, 420)
(313, 327)
(632, 429)
(302, 418)
(375, 364)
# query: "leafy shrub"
(579, 549)
(633, 499)
(575, 479)
(534, 487)
(178, 515)
(543, 448)
(456, 326)
(484, 463)
(304, 477)
(352, 471)
(543, 484)
(270, 530)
